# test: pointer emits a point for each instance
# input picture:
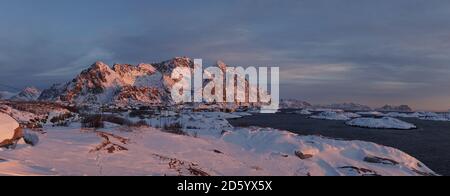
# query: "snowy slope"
(371, 113)
(303, 112)
(402, 115)
(330, 115)
(237, 152)
(34, 114)
(431, 116)
(125, 85)
(434, 116)
(381, 123)
(100, 84)
(27, 94)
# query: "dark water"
(430, 143)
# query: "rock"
(360, 171)
(390, 108)
(303, 156)
(10, 131)
(218, 152)
(31, 138)
(379, 160)
(294, 104)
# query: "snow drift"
(381, 123)
(303, 112)
(229, 151)
(194, 144)
(330, 115)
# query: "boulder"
(30, 138)
(10, 131)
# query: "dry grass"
(92, 121)
(97, 121)
(175, 128)
(109, 146)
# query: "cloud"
(78, 65)
(353, 50)
(316, 73)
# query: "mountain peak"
(145, 66)
(99, 65)
(390, 108)
(167, 67)
(27, 94)
(127, 68)
(121, 84)
(31, 89)
(102, 84)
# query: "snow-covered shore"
(211, 146)
(381, 123)
(331, 115)
(373, 118)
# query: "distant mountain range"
(146, 84)
(294, 104)
(27, 94)
(299, 104)
(389, 108)
(346, 106)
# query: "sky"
(329, 51)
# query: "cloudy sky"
(366, 51)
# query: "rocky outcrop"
(10, 131)
(389, 108)
(125, 84)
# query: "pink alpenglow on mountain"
(27, 94)
(101, 84)
(124, 84)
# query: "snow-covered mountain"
(101, 84)
(122, 84)
(381, 123)
(209, 146)
(27, 94)
(347, 107)
(294, 104)
(389, 108)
